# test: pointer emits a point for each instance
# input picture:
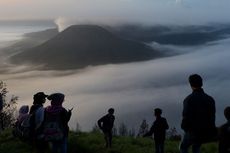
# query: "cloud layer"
(133, 89)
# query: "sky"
(118, 11)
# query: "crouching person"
(55, 126)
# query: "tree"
(78, 128)
(114, 130)
(173, 134)
(123, 130)
(144, 127)
(7, 113)
(132, 132)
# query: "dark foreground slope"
(83, 45)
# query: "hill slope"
(83, 45)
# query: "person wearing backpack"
(36, 120)
(55, 126)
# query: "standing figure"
(106, 125)
(158, 128)
(198, 117)
(55, 126)
(37, 117)
(224, 137)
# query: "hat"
(40, 95)
(56, 98)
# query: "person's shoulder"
(188, 98)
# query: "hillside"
(94, 143)
(83, 45)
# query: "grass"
(94, 143)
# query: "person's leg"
(196, 148)
(162, 147)
(110, 139)
(41, 146)
(106, 139)
(55, 147)
(64, 145)
(157, 147)
(185, 143)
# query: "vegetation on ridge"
(93, 142)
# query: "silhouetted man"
(198, 120)
(106, 125)
(158, 128)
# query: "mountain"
(82, 45)
(174, 35)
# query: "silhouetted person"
(198, 117)
(55, 126)
(224, 137)
(37, 111)
(158, 129)
(106, 125)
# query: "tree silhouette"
(144, 127)
(7, 113)
(123, 130)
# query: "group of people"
(198, 122)
(50, 124)
(45, 125)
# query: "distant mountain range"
(174, 35)
(83, 45)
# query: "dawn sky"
(119, 11)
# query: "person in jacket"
(158, 128)
(224, 136)
(37, 117)
(198, 117)
(106, 125)
(58, 117)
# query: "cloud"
(133, 89)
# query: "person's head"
(157, 112)
(24, 109)
(39, 98)
(56, 99)
(195, 81)
(111, 111)
(227, 113)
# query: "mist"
(133, 89)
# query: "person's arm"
(166, 124)
(185, 116)
(150, 132)
(99, 122)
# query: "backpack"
(22, 129)
(53, 129)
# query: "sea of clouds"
(133, 89)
